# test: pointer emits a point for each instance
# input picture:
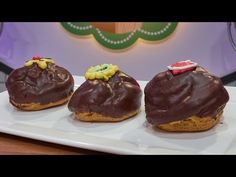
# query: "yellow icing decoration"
(42, 62)
(104, 72)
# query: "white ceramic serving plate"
(132, 136)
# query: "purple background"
(205, 43)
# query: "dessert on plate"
(39, 84)
(185, 98)
(107, 95)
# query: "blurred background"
(210, 44)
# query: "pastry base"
(192, 124)
(38, 106)
(95, 117)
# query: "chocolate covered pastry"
(107, 95)
(39, 84)
(185, 98)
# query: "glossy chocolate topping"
(116, 97)
(171, 97)
(35, 85)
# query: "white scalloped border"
(115, 42)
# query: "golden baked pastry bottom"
(192, 124)
(95, 117)
(38, 106)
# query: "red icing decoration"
(182, 63)
(36, 58)
(182, 70)
(182, 67)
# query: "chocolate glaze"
(120, 95)
(35, 85)
(176, 97)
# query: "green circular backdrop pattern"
(150, 31)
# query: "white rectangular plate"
(132, 136)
